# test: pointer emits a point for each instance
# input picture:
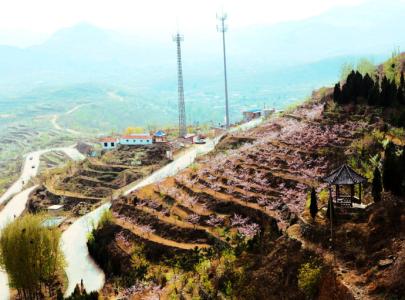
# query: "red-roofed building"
(109, 142)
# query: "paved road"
(31, 166)
(16, 205)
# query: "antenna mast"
(178, 38)
(221, 27)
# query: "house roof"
(344, 175)
(160, 133)
(108, 139)
(55, 207)
(136, 136)
(189, 135)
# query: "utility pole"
(178, 38)
(221, 27)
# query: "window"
(147, 141)
(127, 140)
(112, 144)
(105, 144)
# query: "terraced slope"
(264, 181)
(97, 179)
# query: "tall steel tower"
(221, 27)
(178, 38)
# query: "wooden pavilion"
(341, 177)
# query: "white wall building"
(136, 139)
(109, 143)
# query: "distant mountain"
(85, 53)
(372, 27)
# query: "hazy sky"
(24, 20)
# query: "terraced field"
(97, 179)
(258, 188)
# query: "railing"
(346, 201)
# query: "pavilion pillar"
(337, 192)
(360, 192)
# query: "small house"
(160, 137)
(109, 143)
(251, 114)
(191, 137)
(136, 139)
(268, 112)
(54, 209)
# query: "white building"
(136, 139)
(109, 143)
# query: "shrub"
(106, 218)
(31, 255)
(309, 275)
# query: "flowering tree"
(215, 220)
(146, 229)
(120, 238)
(193, 219)
(238, 220)
(249, 231)
(191, 201)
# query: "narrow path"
(158, 239)
(54, 120)
(347, 275)
(31, 167)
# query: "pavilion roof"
(344, 175)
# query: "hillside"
(237, 223)
(82, 186)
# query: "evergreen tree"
(385, 92)
(374, 97)
(367, 86)
(349, 88)
(357, 86)
(376, 185)
(313, 206)
(337, 93)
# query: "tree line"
(384, 93)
